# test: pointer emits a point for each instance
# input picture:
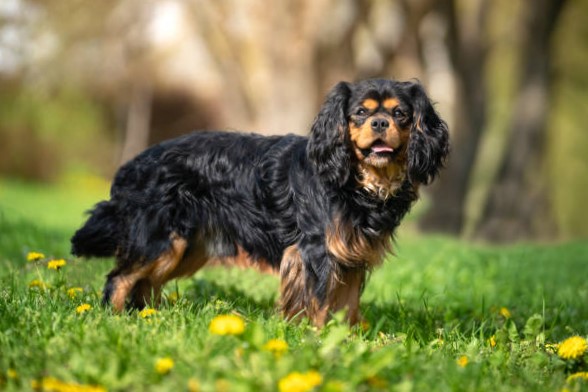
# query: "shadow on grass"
(420, 323)
(224, 295)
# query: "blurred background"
(85, 85)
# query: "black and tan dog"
(321, 209)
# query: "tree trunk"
(138, 121)
(518, 206)
(468, 54)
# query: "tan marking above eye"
(390, 103)
(370, 104)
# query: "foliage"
(44, 132)
(441, 315)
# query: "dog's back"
(172, 186)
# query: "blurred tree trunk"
(467, 47)
(138, 121)
(518, 206)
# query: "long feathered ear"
(328, 147)
(429, 138)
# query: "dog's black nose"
(380, 125)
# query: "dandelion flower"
(37, 283)
(492, 341)
(164, 365)
(53, 384)
(578, 376)
(11, 374)
(300, 382)
(73, 292)
(147, 312)
(504, 312)
(193, 385)
(572, 348)
(83, 308)
(276, 346)
(463, 361)
(56, 264)
(227, 324)
(34, 256)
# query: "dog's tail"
(100, 235)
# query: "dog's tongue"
(382, 148)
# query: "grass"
(441, 315)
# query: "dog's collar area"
(381, 188)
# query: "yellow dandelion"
(164, 365)
(578, 376)
(83, 308)
(276, 346)
(73, 292)
(53, 384)
(11, 374)
(193, 385)
(492, 341)
(463, 361)
(34, 256)
(147, 312)
(227, 324)
(300, 382)
(38, 284)
(504, 312)
(572, 348)
(56, 264)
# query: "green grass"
(436, 301)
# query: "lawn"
(441, 314)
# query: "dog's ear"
(429, 138)
(328, 145)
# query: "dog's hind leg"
(143, 282)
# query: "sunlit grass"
(441, 315)
(58, 207)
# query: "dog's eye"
(360, 112)
(397, 113)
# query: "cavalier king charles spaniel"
(320, 210)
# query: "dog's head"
(378, 133)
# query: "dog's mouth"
(379, 148)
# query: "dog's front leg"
(300, 289)
(345, 293)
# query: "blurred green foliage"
(44, 133)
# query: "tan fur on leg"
(146, 281)
(292, 284)
(345, 294)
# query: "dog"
(320, 210)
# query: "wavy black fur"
(261, 193)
